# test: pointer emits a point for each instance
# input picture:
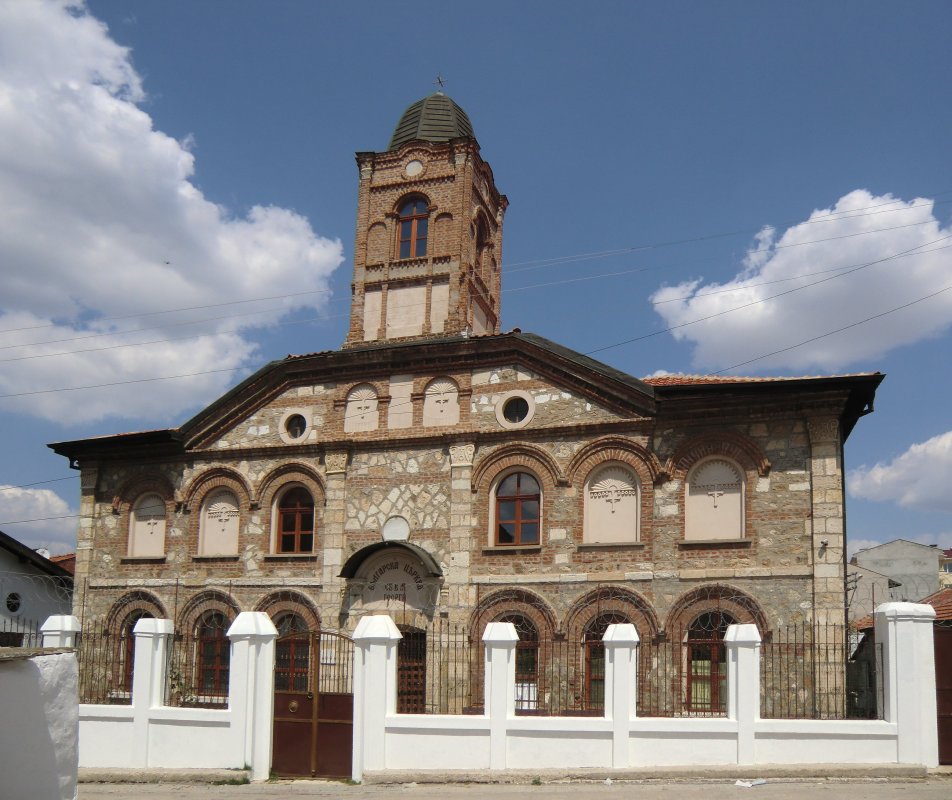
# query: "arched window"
(518, 510)
(295, 522)
(214, 656)
(413, 228)
(147, 527)
(612, 505)
(714, 501)
(706, 684)
(441, 403)
(360, 413)
(219, 525)
(482, 243)
(291, 653)
(595, 657)
(527, 661)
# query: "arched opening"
(594, 652)
(527, 662)
(706, 670)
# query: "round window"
(13, 602)
(295, 425)
(515, 410)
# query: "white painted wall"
(38, 705)
(385, 740)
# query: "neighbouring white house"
(912, 570)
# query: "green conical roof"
(436, 118)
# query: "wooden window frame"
(409, 218)
(299, 512)
(518, 520)
(211, 630)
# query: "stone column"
(88, 478)
(60, 631)
(149, 664)
(621, 671)
(335, 471)
(251, 689)
(375, 690)
(461, 525)
(827, 528)
(743, 685)
(905, 631)
(499, 686)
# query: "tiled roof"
(67, 561)
(691, 380)
(941, 601)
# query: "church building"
(437, 467)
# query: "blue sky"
(782, 166)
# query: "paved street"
(933, 789)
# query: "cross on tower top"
(440, 81)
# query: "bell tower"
(429, 232)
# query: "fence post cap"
(742, 634)
(921, 611)
(620, 633)
(377, 628)
(61, 623)
(500, 633)
(147, 625)
(252, 623)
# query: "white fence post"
(499, 686)
(251, 688)
(905, 631)
(375, 690)
(60, 631)
(148, 680)
(621, 676)
(743, 685)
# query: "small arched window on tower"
(714, 502)
(414, 218)
(482, 244)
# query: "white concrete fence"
(498, 740)
(149, 734)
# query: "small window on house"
(295, 523)
(296, 426)
(714, 502)
(612, 505)
(518, 510)
(219, 525)
(414, 215)
(13, 602)
(147, 527)
(515, 409)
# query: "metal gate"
(313, 705)
(943, 689)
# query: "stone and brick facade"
(715, 493)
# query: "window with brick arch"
(214, 655)
(414, 221)
(714, 500)
(706, 678)
(295, 533)
(518, 510)
(595, 657)
(527, 661)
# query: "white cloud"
(99, 219)
(56, 535)
(919, 478)
(861, 228)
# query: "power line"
(37, 483)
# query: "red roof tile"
(941, 601)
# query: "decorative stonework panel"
(441, 403)
(424, 505)
(361, 412)
(714, 505)
(219, 525)
(461, 455)
(612, 506)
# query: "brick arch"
(513, 601)
(291, 472)
(203, 602)
(134, 488)
(218, 478)
(714, 597)
(513, 456)
(613, 600)
(614, 448)
(728, 444)
(287, 602)
(133, 603)
(412, 195)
